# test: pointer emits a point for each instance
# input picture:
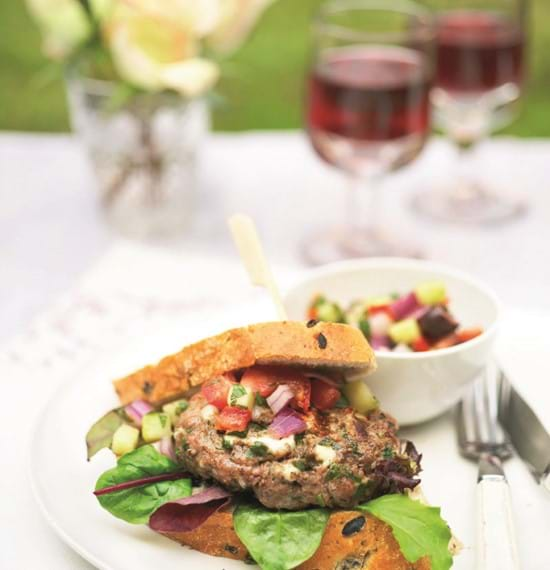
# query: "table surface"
(51, 231)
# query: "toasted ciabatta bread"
(326, 345)
(352, 541)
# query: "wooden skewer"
(252, 255)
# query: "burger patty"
(342, 459)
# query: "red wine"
(478, 51)
(362, 97)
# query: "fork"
(481, 438)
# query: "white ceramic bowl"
(416, 386)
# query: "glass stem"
(363, 204)
(465, 187)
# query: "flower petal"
(191, 77)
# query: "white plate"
(63, 480)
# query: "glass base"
(468, 204)
(338, 243)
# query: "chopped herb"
(336, 471)
(342, 402)
(238, 433)
(301, 465)
(322, 341)
(237, 392)
(184, 445)
(362, 491)
(327, 442)
(256, 427)
(147, 387)
(260, 400)
(182, 406)
(311, 323)
(364, 326)
(321, 501)
(299, 438)
(227, 444)
(257, 449)
(388, 452)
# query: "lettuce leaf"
(279, 540)
(135, 505)
(100, 435)
(418, 528)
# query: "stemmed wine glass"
(367, 109)
(478, 82)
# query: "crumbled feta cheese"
(324, 454)
(209, 412)
(276, 447)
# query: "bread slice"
(289, 343)
(352, 541)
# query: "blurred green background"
(262, 87)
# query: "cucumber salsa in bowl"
(417, 321)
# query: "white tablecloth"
(50, 232)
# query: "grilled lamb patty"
(343, 458)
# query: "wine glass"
(478, 82)
(367, 110)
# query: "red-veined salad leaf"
(100, 435)
(184, 515)
(137, 503)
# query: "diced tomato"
(465, 335)
(420, 345)
(381, 309)
(323, 395)
(446, 342)
(312, 313)
(232, 418)
(217, 390)
(301, 386)
(261, 380)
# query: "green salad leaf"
(136, 505)
(100, 435)
(418, 528)
(279, 540)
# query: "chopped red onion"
(280, 398)
(380, 342)
(287, 422)
(379, 324)
(166, 447)
(404, 306)
(137, 409)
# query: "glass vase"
(143, 153)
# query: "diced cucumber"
(240, 396)
(360, 397)
(378, 301)
(355, 312)
(125, 439)
(330, 312)
(431, 292)
(174, 409)
(155, 426)
(405, 331)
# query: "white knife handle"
(496, 546)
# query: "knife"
(527, 433)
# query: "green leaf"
(137, 504)
(100, 435)
(279, 540)
(418, 528)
